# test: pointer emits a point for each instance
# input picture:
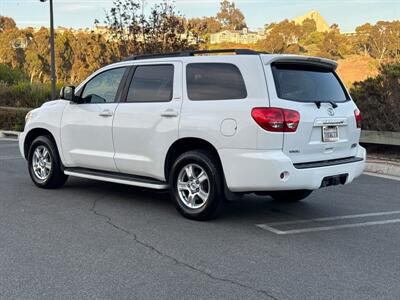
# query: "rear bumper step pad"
(327, 163)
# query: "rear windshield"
(307, 83)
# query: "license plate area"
(330, 134)
(334, 180)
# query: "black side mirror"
(68, 93)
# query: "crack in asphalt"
(176, 261)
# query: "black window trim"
(219, 63)
(129, 78)
(117, 98)
(277, 87)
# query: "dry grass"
(357, 68)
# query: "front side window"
(103, 88)
(307, 83)
(214, 81)
(152, 83)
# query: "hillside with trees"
(366, 57)
(79, 53)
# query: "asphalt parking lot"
(100, 240)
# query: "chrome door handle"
(106, 113)
(169, 113)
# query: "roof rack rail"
(193, 53)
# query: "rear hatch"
(327, 129)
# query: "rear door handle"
(169, 113)
(106, 113)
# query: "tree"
(381, 41)
(280, 36)
(37, 56)
(126, 25)
(231, 17)
(334, 45)
(12, 43)
(206, 25)
(363, 40)
(308, 26)
(7, 23)
(168, 31)
(64, 55)
(378, 99)
(164, 30)
(91, 51)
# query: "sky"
(81, 13)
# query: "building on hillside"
(237, 36)
(61, 29)
(349, 33)
(322, 25)
(101, 29)
(251, 37)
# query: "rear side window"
(214, 81)
(152, 84)
(307, 83)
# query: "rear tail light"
(292, 119)
(276, 119)
(357, 115)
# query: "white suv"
(207, 127)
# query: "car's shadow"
(250, 209)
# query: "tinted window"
(152, 84)
(103, 88)
(307, 84)
(214, 81)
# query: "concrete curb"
(383, 167)
(9, 134)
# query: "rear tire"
(290, 196)
(196, 185)
(44, 164)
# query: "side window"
(103, 88)
(152, 83)
(214, 81)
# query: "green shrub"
(25, 94)
(379, 99)
(12, 118)
(11, 76)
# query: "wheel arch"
(33, 134)
(187, 144)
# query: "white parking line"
(385, 213)
(325, 228)
(3, 146)
(10, 157)
(272, 226)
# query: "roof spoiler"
(304, 60)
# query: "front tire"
(290, 196)
(44, 164)
(196, 185)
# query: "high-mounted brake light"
(357, 115)
(276, 119)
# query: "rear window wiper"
(318, 103)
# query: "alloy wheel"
(42, 163)
(193, 186)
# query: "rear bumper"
(260, 170)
